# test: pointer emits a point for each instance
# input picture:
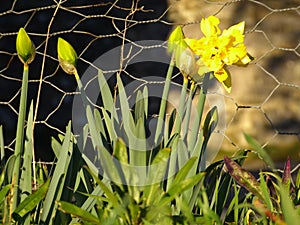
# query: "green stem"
(163, 103)
(188, 111)
(198, 117)
(20, 136)
(182, 101)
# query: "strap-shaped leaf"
(106, 95)
(29, 203)
(120, 151)
(210, 123)
(2, 152)
(76, 211)
(58, 179)
(146, 100)
(290, 213)
(139, 110)
(156, 173)
(99, 123)
(25, 182)
(261, 152)
(183, 172)
(109, 125)
(180, 187)
(4, 191)
(109, 193)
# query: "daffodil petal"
(247, 59)
(202, 68)
(221, 75)
(225, 82)
(209, 26)
(240, 27)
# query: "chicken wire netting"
(265, 97)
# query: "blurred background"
(265, 96)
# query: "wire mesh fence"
(264, 100)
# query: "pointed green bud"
(67, 56)
(175, 39)
(25, 47)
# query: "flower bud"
(175, 39)
(67, 56)
(25, 47)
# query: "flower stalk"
(26, 53)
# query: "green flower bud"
(67, 56)
(175, 40)
(25, 47)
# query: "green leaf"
(290, 214)
(156, 174)
(139, 153)
(266, 192)
(9, 168)
(25, 47)
(58, 179)
(109, 125)
(127, 119)
(183, 172)
(261, 152)
(55, 146)
(180, 187)
(163, 104)
(146, 100)
(170, 126)
(74, 210)
(183, 154)
(31, 201)
(67, 56)
(106, 95)
(26, 175)
(110, 194)
(210, 123)
(2, 152)
(4, 191)
(139, 109)
(90, 202)
(120, 151)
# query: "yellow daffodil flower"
(183, 55)
(216, 50)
